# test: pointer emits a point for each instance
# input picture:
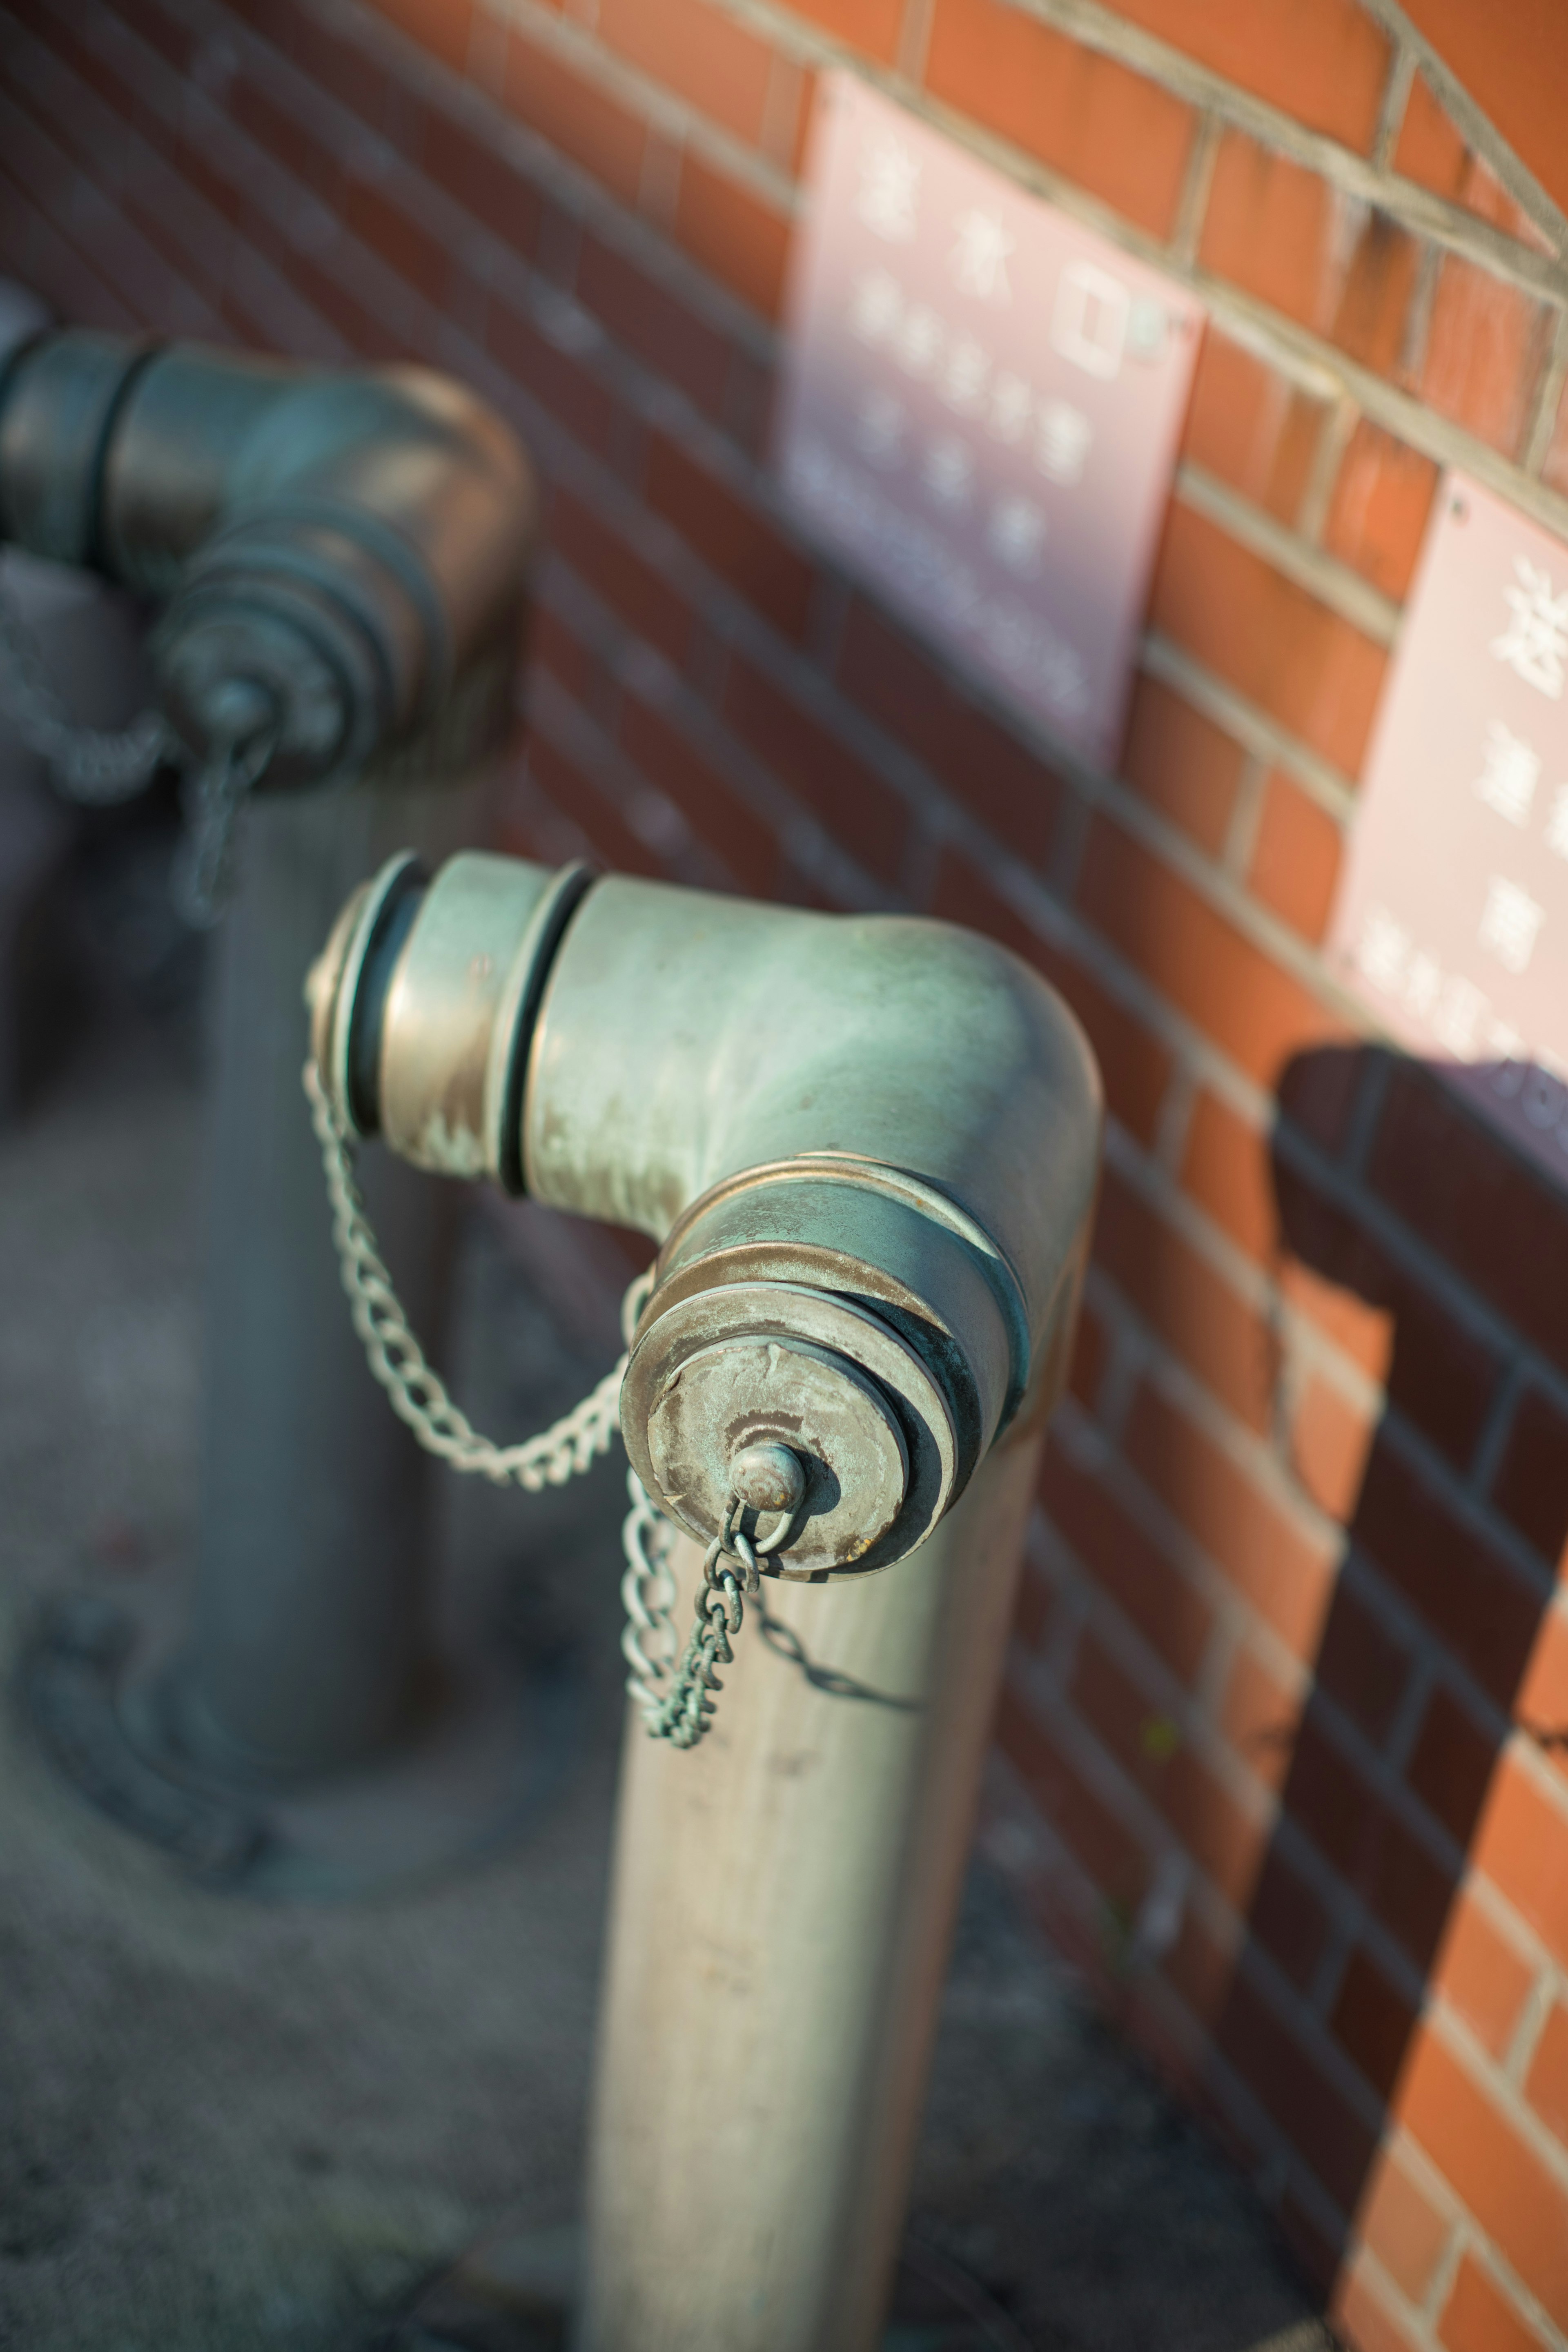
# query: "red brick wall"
(1283, 1754)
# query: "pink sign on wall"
(980, 409)
(1452, 918)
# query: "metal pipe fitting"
(867, 1147)
(343, 554)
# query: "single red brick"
(1333, 1804)
(1254, 1011)
(370, 337)
(738, 239)
(682, 348)
(1378, 518)
(1181, 763)
(1523, 1847)
(444, 27)
(1542, 1708)
(1154, 1595)
(344, 68)
(1122, 137)
(283, 136)
(1464, 1588)
(555, 647)
(1225, 1170)
(1284, 1574)
(418, 258)
(1034, 1611)
(696, 52)
(1134, 1066)
(1249, 426)
(1330, 1440)
(1530, 1486)
(650, 607)
(1361, 1666)
(872, 27)
(1441, 1376)
(1319, 1092)
(1547, 2085)
(1268, 638)
(1481, 1976)
(1282, 233)
(1480, 2317)
(1431, 147)
(1091, 1351)
(1286, 2075)
(174, 42)
(1432, 151)
(1288, 1918)
(1259, 1716)
(1325, 66)
(458, 158)
(1363, 2316)
(717, 815)
(568, 389)
(1296, 857)
(1198, 1314)
(1520, 2205)
(1498, 1224)
(1485, 346)
(1451, 1764)
(1130, 1723)
(1372, 2021)
(1403, 2228)
(1111, 1853)
(865, 815)
(732, 537)
(986, 768)
(1198, 1969)
(575, 115)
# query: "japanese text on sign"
(1452, 920)
(980, 409)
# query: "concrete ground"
(226, 2122)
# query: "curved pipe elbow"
(867, 1148)
(344, 555)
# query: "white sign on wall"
(981, 408)
(1452, 917)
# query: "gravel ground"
(226, 2122)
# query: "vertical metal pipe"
(782, 1910)
(310, 1606)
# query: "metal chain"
(419, 1396)
(676, 1699)
(89, 765)
(212, 797)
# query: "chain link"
(677, 1701)
(418, 1395)
(212, 797)
(88, 765)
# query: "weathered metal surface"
(867, 1417)
(779, 1917)
(350, 549)
(874, 1137)
(869, 1151)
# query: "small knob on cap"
(768, 1477)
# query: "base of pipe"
(517, 2294)
(101, 1687)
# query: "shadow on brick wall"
(1393, 1197)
